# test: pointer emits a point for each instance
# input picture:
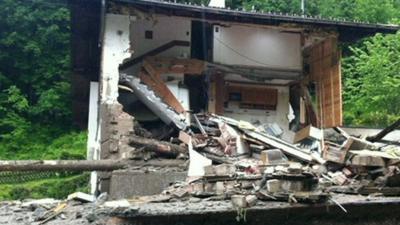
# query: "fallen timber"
(61, 165)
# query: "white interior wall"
(165, 29)
(257, 46)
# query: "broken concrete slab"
(80, 196)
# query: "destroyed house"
(162, 62)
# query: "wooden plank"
(61, 165)
(278, 143)
(163, 65)
(161, 90)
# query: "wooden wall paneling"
(325, 71)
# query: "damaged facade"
(215, 103)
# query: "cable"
(240, 54)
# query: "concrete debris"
(80, 196)
(243, 162)
(117, 203)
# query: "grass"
(42, 143)
(58, 188)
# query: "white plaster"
(115, 50)
(93, 119)
(197, 162)
(257, 46)
(93, 146)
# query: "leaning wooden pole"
(160, 147)
(384, 132)
(61, 165)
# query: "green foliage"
(373, 11)
(34, 62)
(35, 97)
(276, 6)
(372, 82)
(34, 76)
(381, 11)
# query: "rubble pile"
(230, 159)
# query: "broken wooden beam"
(154, 82)
(61, 165)
(384, 132)
(160, 147)
(280, 144)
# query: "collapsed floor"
(229, 159)
(223, 158)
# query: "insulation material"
(325, 71)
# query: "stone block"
(274, 185)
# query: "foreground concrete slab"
(360, 210)
(125, 184)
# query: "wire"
(240, 54)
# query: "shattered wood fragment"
(334, 154)
(184, 137)
(308, 132)
(200, 126)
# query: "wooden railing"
(153, 52)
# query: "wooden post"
(61, 165)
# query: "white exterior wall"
(257, 46)
(93, 145)
(115, 50)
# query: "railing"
(153, 52)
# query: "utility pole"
(303, 2)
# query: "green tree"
(34, 58)
(382, 11)
(372, 81)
